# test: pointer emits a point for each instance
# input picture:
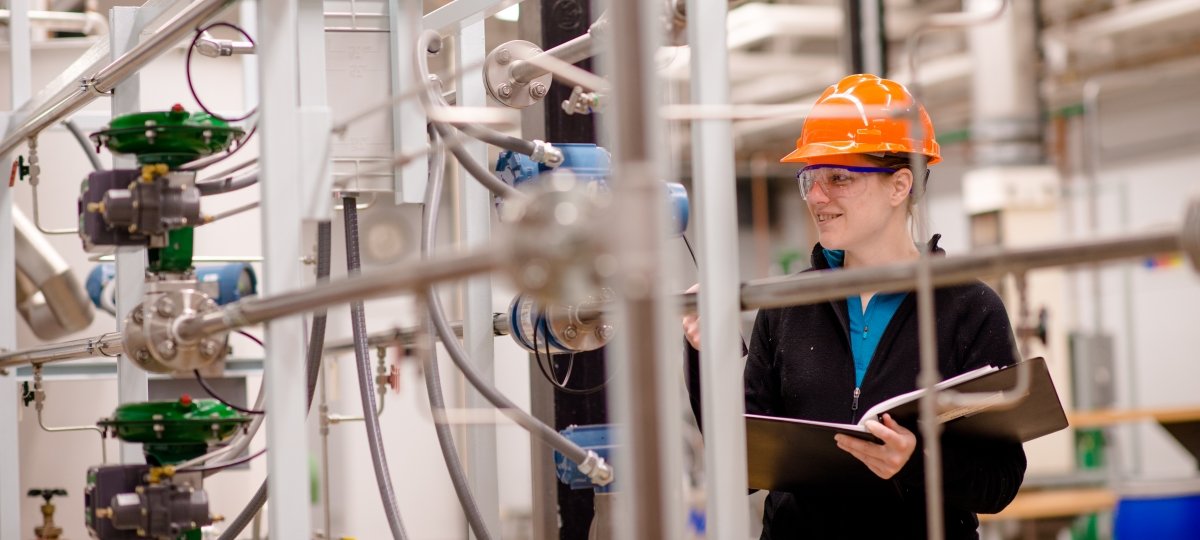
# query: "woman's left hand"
(886, 459)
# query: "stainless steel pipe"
(365, 286)
(114, 73)
(575, 50)
(103, 345)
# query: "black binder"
(788, 453)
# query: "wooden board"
(1056, 503)
(1105, 417)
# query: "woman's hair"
(897, 161)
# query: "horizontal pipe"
(573, 51)
(408, 336)
(89, 23)
(114, 73)
(383, 282)
(103, 345)
(815, 287)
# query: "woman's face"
(851, 217)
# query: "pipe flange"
(1190, 235)
(151, 340)
(497, 75)
(578, 333)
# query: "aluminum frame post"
(287, 430)
(645, 356)
(475, 222)
(408, 118)
(131, 261)
(713, 174)
(20, 60)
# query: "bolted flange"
(149, 336)
(497, 75)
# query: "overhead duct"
(1005, 124)
(49, 297)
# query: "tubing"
(227, 184)
(316, 346)
(496, 138)
(433, 379)
(430, 41)
(366, 382)
(83, 143)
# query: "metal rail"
(103, 345)
(109, 76)
(365, 286)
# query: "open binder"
(786, 453)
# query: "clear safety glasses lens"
(836, 181)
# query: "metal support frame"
(724, 401)
(21, 64)
(475, 222)
(408, 118)
(287, 470)
(644, 399)
(131, 261)
(459, 14)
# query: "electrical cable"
(213, 394)
(366, 378)
(83, 143)
(430, 41)
(496, 138)
(187, 69)
(316, 347)
(433, 380)
(227, 185)
(222, 465)
(552, 378)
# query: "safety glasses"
(836, 181)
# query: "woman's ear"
(901, 184)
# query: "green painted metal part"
(177, 255)
(172, 137)
(174, 431)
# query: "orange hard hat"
(864, 114)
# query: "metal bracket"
(502, 86)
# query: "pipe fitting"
(547, 154)
(596, 469)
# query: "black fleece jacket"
(800, 366)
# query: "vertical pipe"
(287, 470)
(760, 211)
(865, 43)
(248, 20)
(475, 222)
(713, 179)
(10, 458)
(408, 118)
(131, 261)
(645, 356)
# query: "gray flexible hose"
(366, 379)
(496, 138)
(431, 41)
(227, 184)
(433, 379)
(83, 142)
(316, 346)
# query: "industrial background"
(1063, 123)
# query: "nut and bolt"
(166, 307)
(136, 315)
(167, 348)
(571, 332)
(605, 331)
(505, 90)
(209, 348)
(504, 56)
(538, 90)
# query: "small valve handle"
(47, 493)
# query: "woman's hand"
(691, 324)
(886, 459)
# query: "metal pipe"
(366, 286)
(573, 51)
(103, 345)
(111, 75)
(88, 23)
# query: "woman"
(832, 361)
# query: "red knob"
(176, 108)
(185, 400)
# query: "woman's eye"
(840, 179)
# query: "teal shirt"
(866, 326)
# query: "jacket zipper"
(854, 403)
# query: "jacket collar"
(818, 262)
